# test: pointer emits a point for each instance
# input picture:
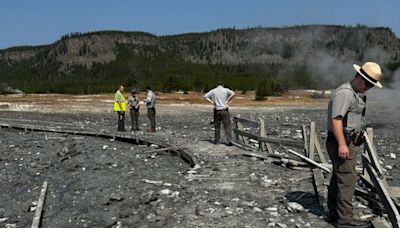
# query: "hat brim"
(357, 69)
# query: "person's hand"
(343, 152)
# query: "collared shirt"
(132, 102)
(219, 96)
(343, 100)
(150, 99)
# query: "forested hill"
(313, 56)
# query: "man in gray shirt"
(151, 108)
(345, 110)
(133, 103)
(220, 98)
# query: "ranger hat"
(371, 72)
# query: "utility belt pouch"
(348, 135)
(358, 138)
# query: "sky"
(28, 22)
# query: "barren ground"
(107, 183)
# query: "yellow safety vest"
(117, 106)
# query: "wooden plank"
(161, 150)
(365, 176)
(312, 141)
(321, 190)
(394, 192)
(39, 208)
(286, 142)
(263, 133)
(383, 194)
(380, 222)
(304, 133)
(274, 158)
(309, 160)
(372, 155)
(269, 148)
(237, 126)
(247, 122)
(321, 154)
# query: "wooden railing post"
(262, 132)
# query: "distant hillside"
(313, 56)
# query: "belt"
(227, 109)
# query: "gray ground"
(103, 184)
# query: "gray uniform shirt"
(219, 96)
(132, 102)
(345, 101)
(150, 99)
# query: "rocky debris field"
(97, 182)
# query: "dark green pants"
(151, 113)
(224, 117)
(342, 184)
(121, 121)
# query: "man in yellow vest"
(120, 107)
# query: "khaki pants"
(151, 114)
(224, 117)
(134, 120)
(342, 184)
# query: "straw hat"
(371, 72)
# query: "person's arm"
(230, 97)
(209, 100)
(337, 129)
(207, 96)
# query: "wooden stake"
(39, 208)
(321, 154)
(303, 130)
(312, 140)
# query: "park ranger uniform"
(348, 104)
(133, 101)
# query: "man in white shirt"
(220, 98)
(151, 108)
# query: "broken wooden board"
(317, 145)
(312, 141)
(250, 123)
(286, 142)
(320, 188)
(380, 222)
(304, 134)
(39, 208)
(309, 160)
(372, 155)
(161, 150)
(383, 194)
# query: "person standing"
(133, 103)
(151, 108)
(120, 107)
(345, 110)
(220, 97)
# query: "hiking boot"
(230, 144)
(152, 130)
(332, 219)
